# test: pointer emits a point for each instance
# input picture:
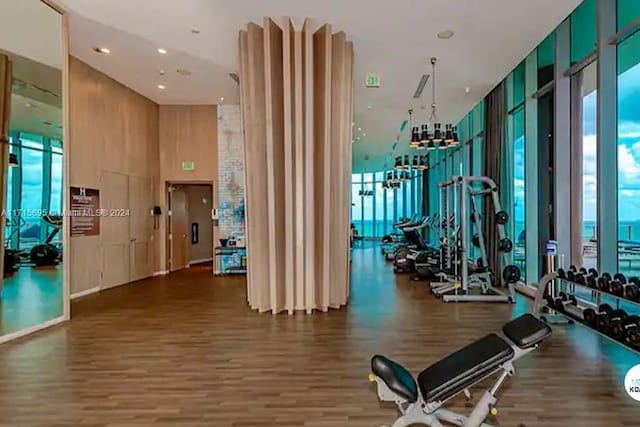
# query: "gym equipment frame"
(421, 401)
(474, 187)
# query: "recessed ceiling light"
(161, 72)
(183, 72)
(222, 98)
(364, 134)
(467, 89)
(369, 107)
(102, 50)
(162, 51)
(161, 87)
(353, 124)
(195, 31)
(359, 129)
(445, 35)
(358, 138)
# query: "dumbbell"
(620, 330)
(590, 315)
(616, 286)
(605, 321)
(563, 300)
(633, 332)
(586, 277)
(571, 273)
(603, 282)
(632, 289)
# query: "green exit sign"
(188, 166)
(373, 80)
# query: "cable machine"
(458, 277)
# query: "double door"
(126, 228)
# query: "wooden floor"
(185, 350)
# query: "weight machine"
(456, 277)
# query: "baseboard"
(199, 261)
(31, 329)
(85, 292)
(161, 273)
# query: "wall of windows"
(573, 46)
(629, 149)
(374, 215)
(34, 188)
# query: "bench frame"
(432, 414)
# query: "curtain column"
(5, 106)
(296, 98)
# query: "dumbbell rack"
(551, 315)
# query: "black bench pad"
(526, 331)
(396, 377)
(463, 368)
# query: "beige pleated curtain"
(296, 98)
(5, 106)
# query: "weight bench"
(421, 402)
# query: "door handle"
(184, 236)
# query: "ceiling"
(392, 38)
(32, 39)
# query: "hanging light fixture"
(13, 160)
(439, 139)
(406, 165)
(398, 163)
(454, 137)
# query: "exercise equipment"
(459, 279)
(618, 330)
(605, 320)
(590, 315)
(502, 217)
(406, 254)
(47, 253)
(421, 401)
(632, 289)
(586, 277)
(559, 303)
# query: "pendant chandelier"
(431, 135)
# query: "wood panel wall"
(187, 133)
(112, 129)
(296, 96)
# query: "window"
(31, 166)
(356, 202)
(390, 209)
(546, 59)
(518, 85)
(589, 166)
(380, 226)
(519, 193)
(55, 202)
(628, 11)
(583, 30)
(628, 151)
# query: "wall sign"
(373, 80)
(85, 211)
(188, 166)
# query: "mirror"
(32, 288)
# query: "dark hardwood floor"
(186, 350)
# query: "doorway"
(190, 225)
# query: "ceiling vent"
(421, 84)
(235, 77)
